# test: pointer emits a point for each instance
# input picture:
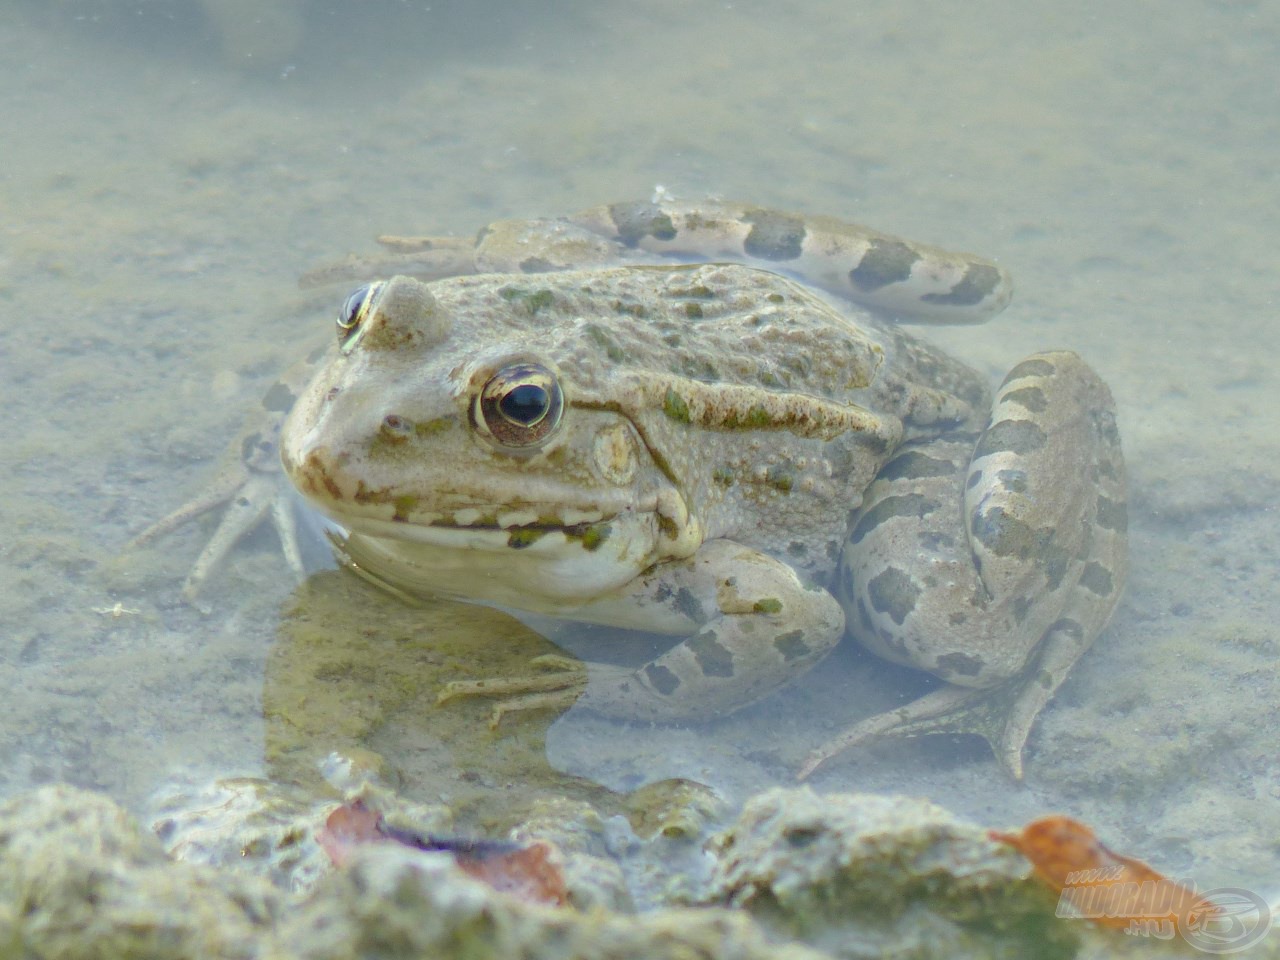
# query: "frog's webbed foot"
(249, 497)
(1002, 715)
(558, 689)
(991, 714)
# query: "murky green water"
(167, 173)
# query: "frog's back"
(769, 406)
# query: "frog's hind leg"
(1004, 602)
(909, 281)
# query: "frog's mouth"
(519, 527)
(479, 528)
(591, 534)
(537, 565)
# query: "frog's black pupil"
(525, 404)
(347, 316)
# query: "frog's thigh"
(963, 558)
(755, 624)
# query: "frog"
(705, 421)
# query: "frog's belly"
(551, 571)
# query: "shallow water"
(169, 170)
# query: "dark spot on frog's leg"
(978, 283)
(1105, 424)
(885, 262)
(934, 541)
(279, 399)
(662, 679)
(1014, 480)
(714, 658)
(1071, 628)
(958, 619)
(792, 646)
(767, 605)
(1021, 607)
(910, 505)
(635, 221)
(975, 478)
(1004, 535)
(797, 548)
(893, 592)
(1097, 579)
(914, 465)
(1032, 398)
(774, 236)
(1036, 367)
(688, 605)
(957, 664)
(1113, 515)
(1010, 436)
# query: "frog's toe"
(558, 689)
(1001, 715)
(247, 498)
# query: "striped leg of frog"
(1002, 606)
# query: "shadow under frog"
(354, 678)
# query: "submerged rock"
(80, 878)
(797, 876)
(864, 875)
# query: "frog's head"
(452, 425)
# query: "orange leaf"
(1099, 884)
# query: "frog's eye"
(354, 312)
(520, 405)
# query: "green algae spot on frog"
(631, 416)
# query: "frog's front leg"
(751, 625)
(1004, 602)
(251, 487)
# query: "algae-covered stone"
(884, 876)
(393, 902)
(79, 878)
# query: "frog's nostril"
(395, 428)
